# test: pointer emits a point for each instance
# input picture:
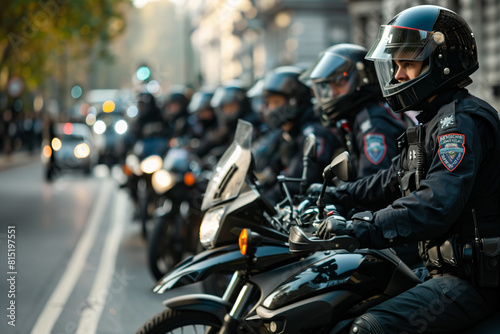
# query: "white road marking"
(61, 293)
(100, 290)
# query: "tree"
(38, 37)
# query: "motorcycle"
(140, 164)
(179, 184)
(232, 201)
(319, 286)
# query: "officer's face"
(275, 101)
(230, 109)
(407, 70)
(206, 114)
(339, 88)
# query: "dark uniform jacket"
(288, 160)
(460, 171)
(376, 129)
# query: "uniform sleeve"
(372, 192)
(376, 141)
(428, 212)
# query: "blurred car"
(71, 148)
(110, 131)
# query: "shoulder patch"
(451, 150)
(447, 122)
(366, 125)
(375, 147)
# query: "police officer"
(175, 112)
(230, 104)
(202, 117)
(289, 109)
(346, 88)
(447, 174)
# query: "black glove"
(331, 226)
(314, 189)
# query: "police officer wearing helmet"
(175, 111)
(203, 119)
(230, 103)
(346, 88)
(289, 109)
(443, 190)
(202, 116)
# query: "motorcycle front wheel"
(175, 321)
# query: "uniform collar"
(430, 109)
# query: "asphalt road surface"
(71, 258)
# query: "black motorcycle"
(179, 184)
(145, 159)
(319, 287)
(232, 202)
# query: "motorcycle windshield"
(229, 174)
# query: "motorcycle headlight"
(210, 226)
(162, 181)
(151, 164)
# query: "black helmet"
(175, 104)
(285, 81)
(231, 93)
(435, 35)
(200, 100)
(342, 62)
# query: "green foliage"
(34, 34)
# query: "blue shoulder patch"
(451, 150)
(375, 147)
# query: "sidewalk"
(18, 159)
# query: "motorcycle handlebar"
(301, 242)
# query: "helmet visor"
(403, 44)
(399, 43)
(332, 67)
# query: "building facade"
(243, 38)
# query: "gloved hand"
(314, 189)
(331, 226)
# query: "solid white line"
(61, 293)
(99, 292)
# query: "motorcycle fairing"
(222, 259)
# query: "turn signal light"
(248, 241)
(189, 179)
(243, 241)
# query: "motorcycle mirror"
(309, 154)
(310, 147)
(339, 167)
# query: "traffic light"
(143, 73)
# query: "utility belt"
(476, 259)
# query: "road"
(71, 258)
